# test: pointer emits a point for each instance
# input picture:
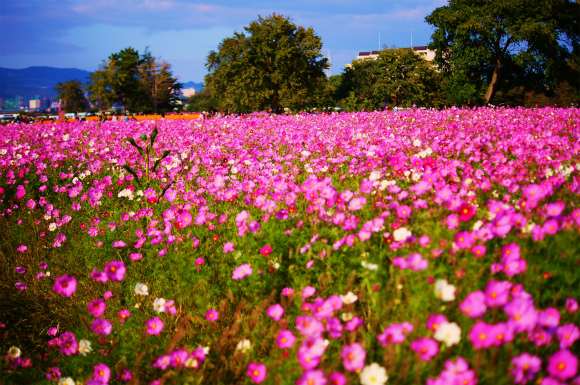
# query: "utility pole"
(329, 64)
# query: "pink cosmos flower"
(334, 327)
(478, 251)
(466, 212)
(97, 307)
(107, 295)
(65, 285)
(101, 326)
(154, 326)
(393, 334)
(275, 312)
(337, 378)
(525, 368)
(563, 365)
(357, 203)
(52, 331)
(497, 292)
(435, 320)
(99, 276)
(242, 271)
(228, 247)
(426, 347)
(285, 339)
(22, 249)
(464, 240)
(308, 325)
(287, 291)
(102, 373)
(68, 344)
(474, 305)
(571, 304)
(211, 315)
(523, 315)
(404, 211)
(266, 250)
(308, 292)
(256, 372)
(567, 335)
(199, 261)
(312, 377)
(481, 335)
(353, 357)
(123, 315)
(115, 270)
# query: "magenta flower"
(52, 331)
(571, 305)
(435, 320)
(334, 327)
(101, 326)
(99, 276)
(426, 347)
(464, 240)
(497, 293)
(228, 247)
(308, 292)
(65, 285)
(275, 312)
(123, 315)
(287, 291)
(481, 335)
(522, 313)
(22, 249)
(312, 377)
(178, 357)
(97, 307)
(308, 325)
(466, 212)
(393, 334)
(353, 357)
(256, 372)
(337, 378)
(478, 251)
(525, 368)
(416, 262)
(567, 335)
(403, 211)
(211, 315)
(474, 305)
(242, 271)
(357, 203)
(285, 339)
(68, 343)
(154, 326)
(119, 244)
(115, 270)
(563, 365)
(102, 373)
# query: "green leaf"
(143, 136)
(132, 141)
(154, 135)
(130, 171)
(165, 154)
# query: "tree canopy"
(71, 96)
(398, 77)
(521, 42)
(138, 82)
(273, 63)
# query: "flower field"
(417, 247)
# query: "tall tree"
(525, 41)
(71, 96)
(272, 64)
(156, 80)
(138, 82)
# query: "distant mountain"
(197, 86)
(29, 81)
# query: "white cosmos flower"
(66, 381)
(84, 347)
(417, 143)
(449, 332)
(52, 227)
(401, 234)
(375, 175)
(159, 305)
(370, 266)
(141, 289)
(244, 345)
(444, 291)
(349, 298)
(373, 374)
(14, 352)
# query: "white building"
(421, 50)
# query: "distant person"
(115, 117)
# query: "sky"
(83, 33)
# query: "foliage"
(72, 96)
(272, 64)
(522, 42)
(397, 78)
(203, 101)
(138, 82)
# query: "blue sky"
(82, 33)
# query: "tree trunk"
(492, 88)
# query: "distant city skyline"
(82, 33)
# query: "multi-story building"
(427, 54)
